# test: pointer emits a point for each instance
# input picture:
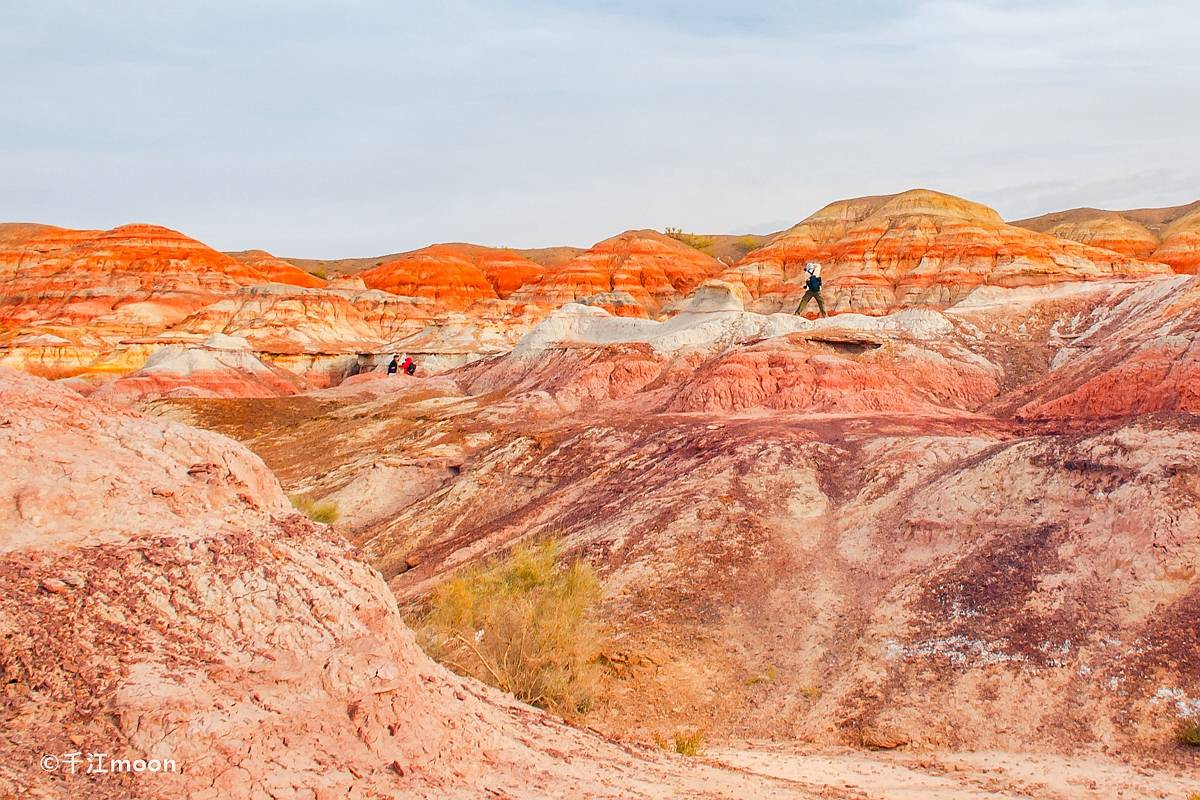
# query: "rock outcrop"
(134, 279)
(220, 366)
(283, 320)
(98, 303)
(1129, 352)
(916, 248)
(162, 605)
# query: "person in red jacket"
(409, 366)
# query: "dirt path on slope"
(959, 776)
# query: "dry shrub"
(770, 675)
(323, 511)
(520, 623)
(685, 744)
(1188, 732)
(697, 241)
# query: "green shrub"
(1188, 732)
(685, 744)
(319, 271)
(323, 511)
(520, 623)
(690, 239)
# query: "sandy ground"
(959, 776)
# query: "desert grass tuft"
(769, 675)
(685, 744)
(521, 624)
(1188, 732)
(323, 511)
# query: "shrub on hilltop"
(702, 243)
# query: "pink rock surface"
(845, 531)
(159, 599)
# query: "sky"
(359, 128)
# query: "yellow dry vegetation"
(521, 624)
(323, 511)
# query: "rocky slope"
(916, 248)
(1167, 235)
(162, 603)
(647, 266)
(863, 530)
(277, 270)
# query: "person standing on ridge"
(394, 365)
(812, 288)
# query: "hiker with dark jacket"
(394, 365)
(812, 288)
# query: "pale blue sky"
(357, 128)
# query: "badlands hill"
(1168, 235)
(973, 528)
(455, 276)
(962, 526)
(919, 248)
(646, 268)
(95, 305)
(545, 256)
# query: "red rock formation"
(162, 603)
(652, 268)
(1127, 352)
(1167, 235)
(132, 279)
(1106, 229)
(454, 276)
(1180, 247)
(286, 320)
(221, 366)
(90, 301)
(276, 270)
(916, 248)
